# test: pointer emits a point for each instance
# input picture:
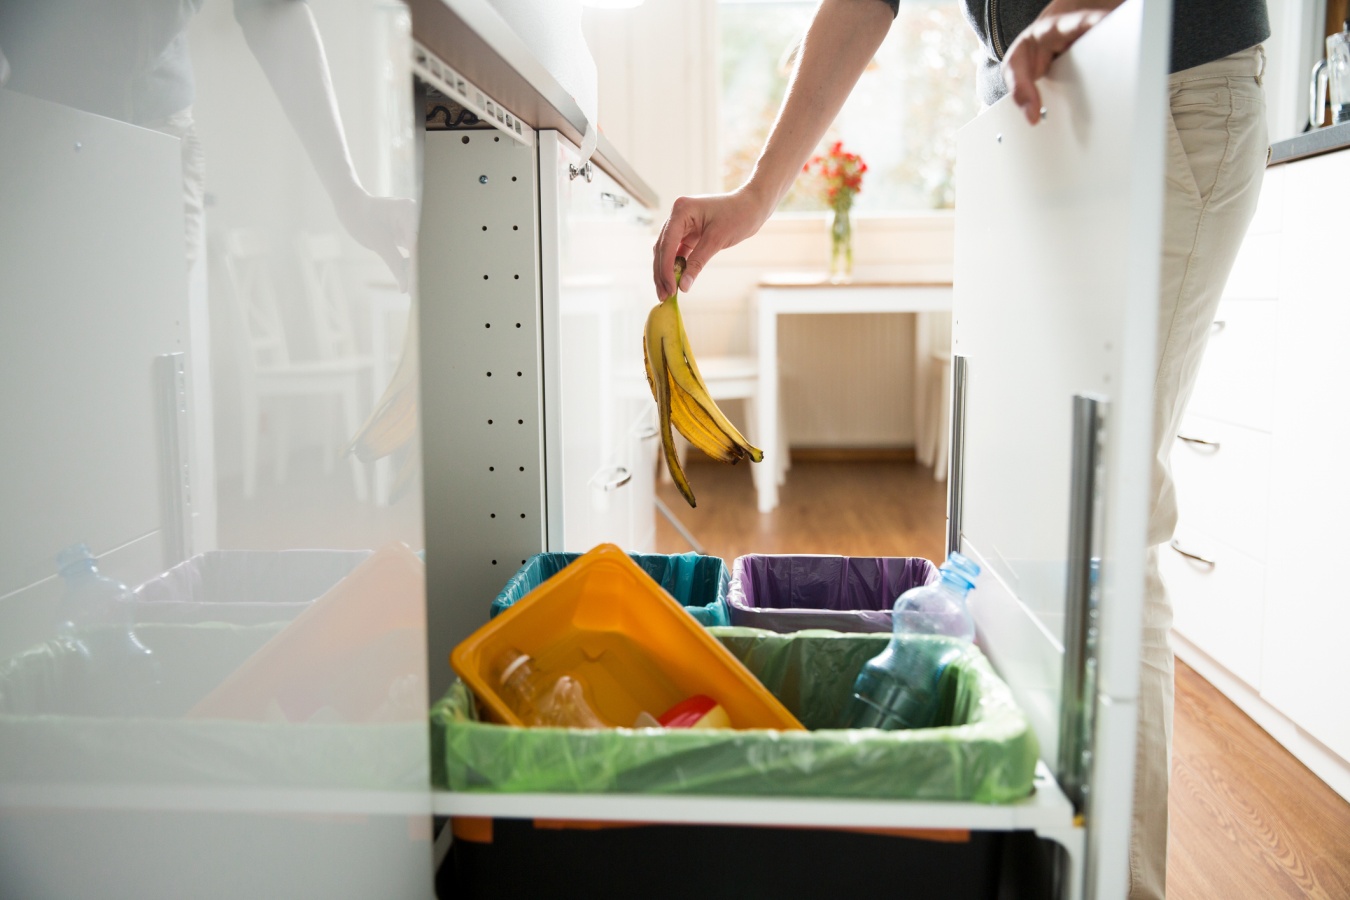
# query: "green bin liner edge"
(988, 754)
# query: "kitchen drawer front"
(1222, 475)
(1218, 597)
(1256, 271)
(1236, 381)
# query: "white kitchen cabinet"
(1263, 483)
(596, 250)
(1307, 671)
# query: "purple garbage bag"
(841, 593)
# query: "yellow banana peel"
(682, 398)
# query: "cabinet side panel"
(482, 423)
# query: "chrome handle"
(956, 456)
(618, 201)
(1078, 687)
(1189, 555)
(1218, 325)
(1317, 94)
(1201, 441)
(574, 172)
(646, 434)
(620, 477)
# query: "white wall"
(658, 79)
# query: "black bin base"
(703, 861)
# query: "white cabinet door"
(1222, 474)
(597, 248)
(1058, 241)
(1307, 618)
(1236, 382)
(1218, 594)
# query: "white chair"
(737, 378)
(267, 367)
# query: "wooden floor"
(1248, 820)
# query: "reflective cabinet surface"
(212, 600)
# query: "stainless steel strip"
(957, 453)
(1078, 681)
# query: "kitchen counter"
(1312, 143)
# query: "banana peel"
(682, 398)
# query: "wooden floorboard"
(1248, 820)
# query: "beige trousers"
(1215, 159)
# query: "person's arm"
(285, 40)
(1028, 59)
(840, 43)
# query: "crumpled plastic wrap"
(986, 754)
(699, 583)
(843, 593)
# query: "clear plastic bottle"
(899, 688)
(97, 617)
(940, 607)
(539, 700)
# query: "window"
(901, 118)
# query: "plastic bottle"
(539, 700)
(940, 607)
(97, 617)
(899, 688)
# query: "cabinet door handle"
(647, 433)
(1200, 441)
(617, 478)
(1189, 555)
(1217, 326)
(618, 201)
(574, 172)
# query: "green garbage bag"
(699, 583)
(986, 752)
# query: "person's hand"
(699, 228)
(1052, 33)
(387, 225)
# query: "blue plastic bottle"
(899, 688)
(97, 617)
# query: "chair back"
(248, 268)
(320, 257)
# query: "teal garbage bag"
(984, 752)
(698, 583)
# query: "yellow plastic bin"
(603, 621)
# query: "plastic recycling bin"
(842, 593)
(985, 752)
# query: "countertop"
(1311, 143)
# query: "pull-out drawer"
(1217, 596)
(1222, 474)
(1236, 383)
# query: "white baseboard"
(1324, 763)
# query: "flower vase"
(841, 247)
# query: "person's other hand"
(701, 227)
(1053, 32)
(387, 225)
